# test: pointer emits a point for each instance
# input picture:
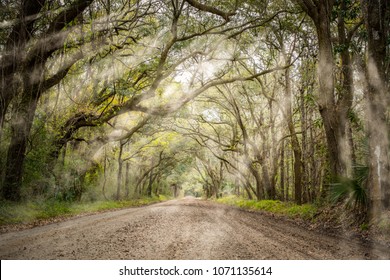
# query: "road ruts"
(179, 229)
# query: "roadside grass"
(292, 210)
(29, 212)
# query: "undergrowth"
(306, 211)
(14, 213)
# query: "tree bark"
(326, 99)
(150, 184)
(298, 164)
(346, 92)
(282, 173)
(320, 13)
(104, 174)
(259, 186)
(20, 130)
(376, 15)
(127, 180)
(14, 51)
(288, 175)
(119, 176)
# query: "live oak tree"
(333, 110)
(23, 77)
(377, 23)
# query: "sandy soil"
(180, 229)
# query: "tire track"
(179, 229)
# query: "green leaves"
(352, 190)
(351, 11)
(340, 48)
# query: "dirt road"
(180, 229)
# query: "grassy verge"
(29, 212)
(306, 211)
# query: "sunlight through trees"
(114, 100)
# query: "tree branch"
(56, 78)
(210, 9)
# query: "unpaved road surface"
(179, 229)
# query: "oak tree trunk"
(377, 24)
(20, 130)
(320, 12)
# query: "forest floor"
(182, 229)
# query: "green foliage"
(318, 123)
(52, 208)
(306, 211)
(352, 191)
(340, 48)
(111, 204)
(310, 99)
(14, 213)
(364, 226)
(350, 14)
(355, 120)
(36, 179)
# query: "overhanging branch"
(210, 9)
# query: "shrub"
(352, 191)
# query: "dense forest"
(266, 100)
